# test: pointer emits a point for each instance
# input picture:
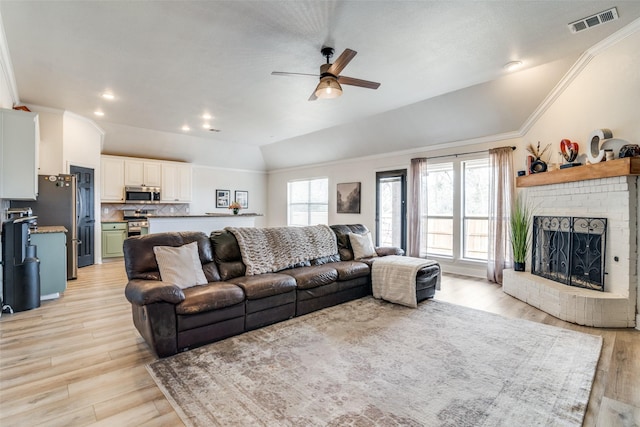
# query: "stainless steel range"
(136, 220)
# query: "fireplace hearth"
(570, 250)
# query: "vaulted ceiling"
(440, 65)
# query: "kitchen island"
(205, 223)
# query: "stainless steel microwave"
(142, 194)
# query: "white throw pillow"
(362, 246)
(180, 265)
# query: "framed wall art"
(242, 197)
(348, 198)
(223, 198)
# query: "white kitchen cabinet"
(176, 183)
(142, 173)
(112, 179)
(19, 139)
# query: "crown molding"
(408, 152)
(6, 66)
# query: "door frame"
(402, 174)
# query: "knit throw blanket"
(393, 278)
(267, 250)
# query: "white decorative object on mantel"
(594, 153)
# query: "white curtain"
(418, 201)
(501, 197)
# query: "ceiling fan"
(330, 78)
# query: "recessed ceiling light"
(206, 126)
(108, 95)
(513, 65)
(98, 113)
(186, 128)
(207, 116)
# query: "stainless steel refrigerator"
(56, 205)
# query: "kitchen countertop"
(115, 220)
(43, 229)
(207, 215)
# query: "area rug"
(372, 363)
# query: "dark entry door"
(391, 195)
(85, 215)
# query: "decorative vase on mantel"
(538, 165)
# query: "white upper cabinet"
(176, 183)
(19, 139)
(142, 173)
(173, 178)
(112, 179)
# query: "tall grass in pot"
(520, 226)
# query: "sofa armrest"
(389, 250)
(144, 292)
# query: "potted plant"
(236, 207)
(520, 225)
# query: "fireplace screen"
(570, 250)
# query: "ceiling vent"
(593, 20)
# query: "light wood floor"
(79, 360)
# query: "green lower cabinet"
(113, 235)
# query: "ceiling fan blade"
(313, 96)
(342, 61)
(343, 80)
(284, 73)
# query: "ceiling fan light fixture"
(328, 88)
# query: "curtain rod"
(463, 154)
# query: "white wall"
(606, 94)
(206, 180)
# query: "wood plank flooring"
(79, 361)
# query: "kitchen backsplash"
(113, 211)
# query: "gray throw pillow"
(180, 265)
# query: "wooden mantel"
(618, 167)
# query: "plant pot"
(518, 266)
(235, 211)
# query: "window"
(440, 189)
(475, 223)
(456, 223)
(308, 202)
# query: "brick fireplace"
(584, 193)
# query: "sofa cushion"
(180, 265)
(348, 270)
(314, 276)
(140, 261)
(264, 285)
(362, 245)
(226, 253)
(209, 297)
(342, 236)
(322, 260)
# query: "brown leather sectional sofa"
(171, 319)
